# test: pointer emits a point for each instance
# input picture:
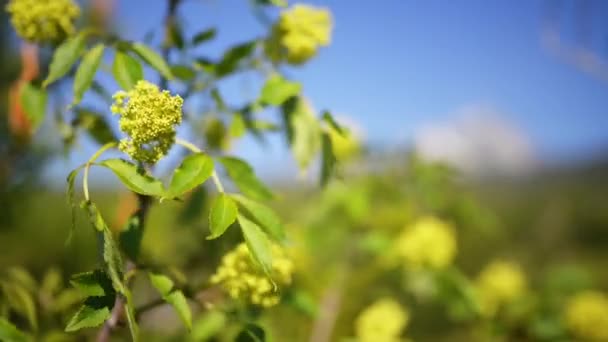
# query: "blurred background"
(489, 114)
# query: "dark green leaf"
(10, 333)
(130, 176)
(86, 72)
(126, 70)
(203, 36)
(328, 159)
(33, 101)
(175, 35)
(245, 179)
(95, 125)
(70, 194)
(194, 171)
(232, 58)
(222, 215)
(130, 237)
(93, 313)
(327, 117)
(183, 72)
(264, 216)
(165, 286)
(257, 242)
(278, 3)
(277, 90)
(21, 301)
(113, 260)
(251, 333)
(93, 284)
(153, 59)
(205, 64)
(208, 325)
(64, 58)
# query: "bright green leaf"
(257, 242)
(194, 170)
(130, 176)
(8, 332)
(33, 100)
(86, 72)
(277, 90)
(304, 131)
(264, 216)
(126, 70)
(222, 215)
(22, 277)
(208, 325)
(204, 36)
(93, 313)
(237, 126)
(165, 286)
(64, 58)
(155, 60)
(245, 179)
(328, 159)
(327, 117)
(93, 283)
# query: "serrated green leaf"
(92, 313)
(155, 60)
(126, 70)
(72, 203)
(33, 100)
(233, 57)
(222, 214)
(277, 90)
(245, 179)
(95, 126)
(194, 170)
(263, 215)
(131, 236)
(130, 176)
(208, 325)
(93, 283)
(10, 333)
(257, 242)
(86, 72)
(165, 286)
(204, 36)
(21, 301)
(328, 159)
(64, 58)
(183, 72)
(94, 216)
(130, 313)
(113, 260)
(251, 333)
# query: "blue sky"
(397, 65)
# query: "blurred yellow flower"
(586, 316)
(299, 33)
(43, 21)
(429, 242)
(242, 279)
(384, 321)
(499, 283)
(148, 117)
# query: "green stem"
(193, 148)
(85, 178)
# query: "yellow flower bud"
(148, 116)
(586, 316)
(429, 242)
(499, 283)
(43, 21)
(384, 320)
(242, 279)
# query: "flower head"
(43, 20)
(243, 279)
(586, 316)
(384, 320)
(429, 242)
(148, 116)
(299, 33)
(500, 283)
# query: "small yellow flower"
(43, 21)
(299, 33)
(384, 321)
(499, 283)
(429, 242)
(148, 117)
(242, 279)
(586, 316)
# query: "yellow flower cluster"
(587, 316)
(300, 31)
(428, 243)
(148, 117)
(43, 20)
(499, 283)
(243, 279)
(384, 320)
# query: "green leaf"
(22, 277)
(131, 236)
(237, 126)
(277, 90)
(155, 60)
(278, 3)
(222, 215)
(10, 333)
(233, 57)
(130, 176)
(21, 301)
(126, 70)
(264, 216)
(113, 260)
(194, 170)
(245, 179)
(251, 333)
(94, 216)
(304, 131)
(175, 35)
(33, 101)
(257, 242)
(93, 284)
(208, 325)
(130, 313)
(327, 117)
(165, 286)
(86, 72)
(64, 58)
(328, 159)
(183, 72)
(70, 194)
(92, 313)
(95, 126)
(204, 36)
